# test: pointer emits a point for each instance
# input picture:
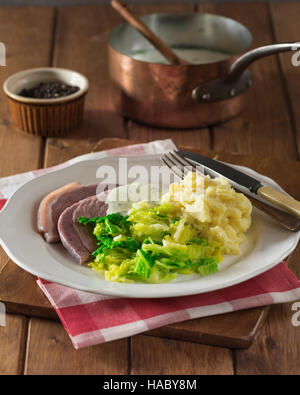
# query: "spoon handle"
(134, 21)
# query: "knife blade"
(243, 182)
(215, 168)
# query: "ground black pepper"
(49, 90)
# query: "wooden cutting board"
(21, 294)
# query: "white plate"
(267, 242)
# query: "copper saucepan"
(184, 96)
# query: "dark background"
(93, 2)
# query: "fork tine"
(177, 161)
(198, 169)
(176, 170)
(184, 167)
(184, 161)
(178, 165)
(176, 156)
(174, 163)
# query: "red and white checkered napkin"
(91, 319)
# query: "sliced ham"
(44, 217)
(89, 208)
(69, 237)
(55, 203)
(76, 238)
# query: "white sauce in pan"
(195, 56)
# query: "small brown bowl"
(46, 117)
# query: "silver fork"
(180, 166)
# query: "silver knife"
(243, 182)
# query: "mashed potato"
(219, 212)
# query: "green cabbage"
(150, 245)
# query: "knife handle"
(289, 221)
(280, 199)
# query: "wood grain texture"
(3, 259)
(50, 351)
(21, 294)
(21, 152)
(12, 344)
(233, 330)
(144, 9)
(286, 29)
(276, 349)
(165, 356)
(81, 44)
(264, 128)
(197, 138)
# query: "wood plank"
(233, 330)
(199, 137)
(50, 351)
(21, 294)
(81, 44)
(165, 356)
(264, 127)
(12, 344)
(3, 259)
(287, 30)
(276, 350)
(21, 152)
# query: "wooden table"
(75, 37)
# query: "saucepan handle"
(239, 79)
(244, 61)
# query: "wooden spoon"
(134, 21)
